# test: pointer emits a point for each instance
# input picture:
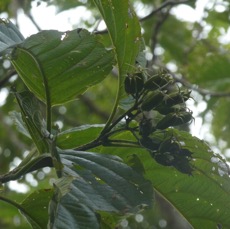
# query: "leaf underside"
(93, 182)
(9, 35)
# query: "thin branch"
(122, 143)
(7, 77)
(169, 3)
(105, 31)
(195, 87)
(44, 160)
(89, 145)
(29, 15)
(156, 31)
(97, 25)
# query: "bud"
(153, 100)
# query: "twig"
(162, 6)
(195, 87)
(29, 15)
(105, 31)
(44, 160)
(7, 77)
(157, 28)
(169, 3)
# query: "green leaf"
(108, 220)
(58, 66)
(32, 117)
(124, 29)
(9, 35)
(117, 186)
(66, 211)
(36, 208)
(77, 136)
(93, 182)
(203, 198)
(8, 212)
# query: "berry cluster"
(160, 104)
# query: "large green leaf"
(124, 29)
(77, 136)
(66, 211)
(58, 66)
(9, 35)
(94, 182)
(8, 212)
(36, 208)
(203, 198)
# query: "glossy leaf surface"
(36, 207)
(77, 136)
